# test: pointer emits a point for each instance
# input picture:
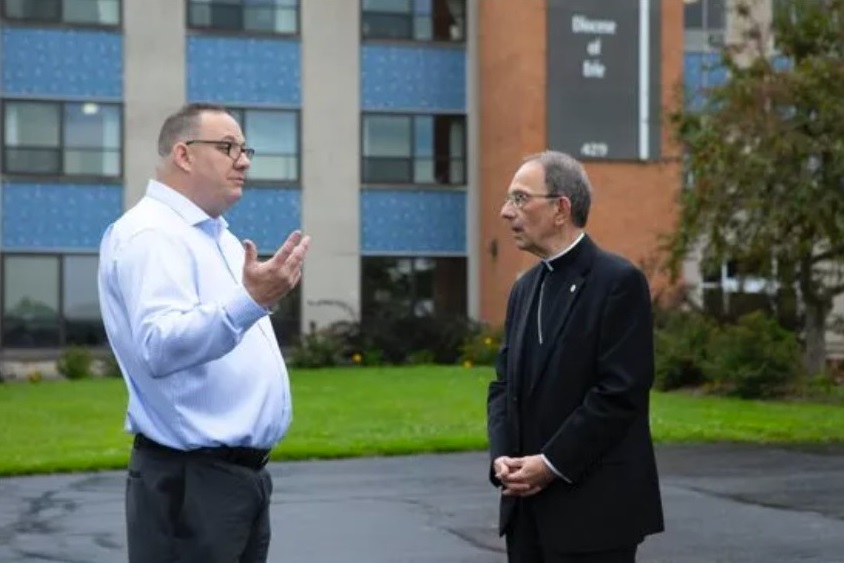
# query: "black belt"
(247, 457)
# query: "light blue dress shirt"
(199, 356)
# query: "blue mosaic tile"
(266, 216)
(427, 78)
(413, 221)
(231, 70)
(58, 216)
(62, 63)
(701, 71)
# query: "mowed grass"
(75, 426)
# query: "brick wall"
(633, 202)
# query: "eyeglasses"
(519, 199)
(233, 150)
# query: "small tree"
(766, 159)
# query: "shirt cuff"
(554, 469)
(242, 310)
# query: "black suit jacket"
(585, 404)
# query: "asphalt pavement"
(723, 504)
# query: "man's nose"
(506, 210)
(243, 162)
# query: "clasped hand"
(268, 281)
(522, 476)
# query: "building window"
(62, 138)
(733, 289)
(274, 134)
(414, 149)
(51, 301)
(261, 16)
(705, 14)
(397, 287)
(705, 22)
(286, 317)
(75, 12)
(417, 20)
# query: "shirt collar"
(549, 261)
(183, 206)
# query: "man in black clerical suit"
(569, 433)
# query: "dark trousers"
(195, 509)
(524, 544)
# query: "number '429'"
(594, 149)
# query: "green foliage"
(681, 345)
(765, 160)
(421, 357)
(481, 347)
(75, 363)
(326, 347)
(755, 358)
(110, 367)
(402, 338)
(383, 341)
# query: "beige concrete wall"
(331, 158)
(473, 197)
(154, 79)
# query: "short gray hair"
(566, 177)
(183, 124)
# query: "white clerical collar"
(566, 250)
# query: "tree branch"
(836, 252)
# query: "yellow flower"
(467, 364)
(357, 358)
(488, 341)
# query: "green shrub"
(681, 343)
(421, 357)
(402, 339)
(481, 347)
(75, 363)
(318, 349)
(109, 366)
(755, 358)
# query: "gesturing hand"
(268, 281)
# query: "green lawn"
(68, 426)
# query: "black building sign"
(604, 78)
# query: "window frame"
(60, 301)
(732, 281)
(61, 22)
(209, 30)
(412, 15)
(265, 182)
(413, 158)
(61, 175)
(413, 295)
(288, 340)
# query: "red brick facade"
(633, 203)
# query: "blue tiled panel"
(782, 63)
(418, 221)
(266, 216)
(704, 70)
(413, 78)
(62, 63)
(58, 216)
(701, 71)
(232, 70)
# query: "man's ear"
(181, 156)
(563, 210)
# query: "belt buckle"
(265, 459)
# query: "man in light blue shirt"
(185, 307)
